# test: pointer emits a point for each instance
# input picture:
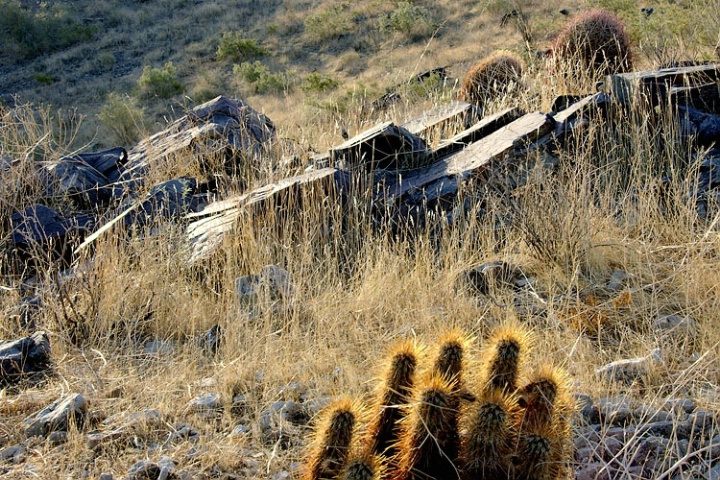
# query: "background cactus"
(488, 428)
(492, 77)
(595, 40)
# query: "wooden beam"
(445, 175)
(481, 129)
(455, 112)
(209, 226)
(655, 85)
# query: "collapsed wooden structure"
(404, 172)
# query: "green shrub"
(234, 47)
(28, 35)
(316, 82)
(44, 79)
(160, 82)
(261, 78)
(124, 118)
(329, 23)
(413, 21)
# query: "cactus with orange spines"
(595, 40)
(456, 421)
(504, 357)
(490, 436)
(429, 443)
(363, 465)
(333, 439)
(491, 77)
(394, 394)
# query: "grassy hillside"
(619, 199)
(316, 57)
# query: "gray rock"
(56, 416)
(648, 414)
(686, 405)
(13, 454)
(22, 358)
(240, 430)
(123, 426)
(159, 347)
(482, 278)
(106, 476)
(57, 438)
(273, 280)
(630, 370)
(284, 475)
(240, 406)
(144, 470)
(206, 405)
(593, 471)
(615, 415)
(210, 341)
(674, 323)
(184, 432)
(618, 281)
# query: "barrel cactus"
(492, 77)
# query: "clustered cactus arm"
(449, 421)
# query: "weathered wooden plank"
(459, 113)
(481, 129)
(385, 146)
(210, 224)
(655, 85)
(587, 104)
(470, 161)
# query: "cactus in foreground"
(504, 357)
(455, 423)
(595, 40)
(491, 78)
(430, 442)
(333, 440)
(363, 466)
(393, 396)
(491, 426)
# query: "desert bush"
(124, 118)
(160, 82)
(492, 77)
(329, 23)
(413, 21)
(318, 82)
(595, 40)
(26, 34)
(261, 78)
(234, 47)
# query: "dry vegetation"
(361, 288)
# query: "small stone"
(210, 341)
(614, 415)
(630, 370)
(618, 281)
(184, 432)
(144, 470)
(13, 454)
(611, 447)
(277, 282)
(29, 356)
(686, 405)
(284, 475)
(57, 438)
(482, 278)
(584, 455)
(593, 471)
(674, 323)
(159, 347)
(239, 430)
(648, 414)
(106, 476)
(56, 416)
(207, 403)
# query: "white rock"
(630, 369)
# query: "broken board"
(210, 225)
(453, 113)
(655, 85)
(468, 162)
